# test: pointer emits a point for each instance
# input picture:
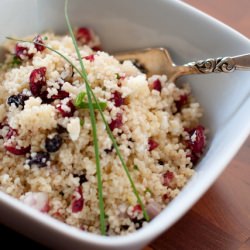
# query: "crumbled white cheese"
(37, 200)
(73, 128)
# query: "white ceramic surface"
(190, 35)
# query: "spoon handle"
(220, 64)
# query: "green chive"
(85, 105)
(93, 123)
(79, 99)
(81, 122)
(83, 74)
(15, 62)
(104, 120)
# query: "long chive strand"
(93, 123)
(104, 120)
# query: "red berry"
(165, 197)
(46, 208)
(181, 102)
(17, 151)
(156, 85)
(117, 99)
(117, 122)
(60, 95)
(83, 35)
(11, 132)
(137, 208)
(77, 204)
(167, 178)
(193, 157)
(21, 52)
(69, 111)
(152, 144)
(38, 39)
(196, 141)
(90, 58)
(97, 48)
(37, 80)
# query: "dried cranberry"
(97, 48)
(38, 39)
(77, 204)
(60, 95)
(156, 85)
(90, 58)
(53, 144)
(17, 151)
(37, 80)
(181, 102)
(22, 52)
(46, 208)
(40, 159)
(117, 99)
(44, 96)
(193, 157)
(167, 178)
(196, 141)
(137, 208)
(68, 111)
(17, 100)
(117, 122)
(11, 132)
(152, 144)
(165, 197)
(83, 35)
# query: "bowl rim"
(145, 232)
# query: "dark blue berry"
(17, 100)
(53, 144)
(40, 158)
(82, 178)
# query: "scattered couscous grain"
(46, 146)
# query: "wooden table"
(221, 219)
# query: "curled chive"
(104, 120)
(79, 99)
(85, 105)
(80, 103)
(100, 106)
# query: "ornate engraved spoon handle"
(220, 64)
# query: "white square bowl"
(131, 24)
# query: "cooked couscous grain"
(46, 145)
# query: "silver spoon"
(157, 61)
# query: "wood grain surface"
(221, 219)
